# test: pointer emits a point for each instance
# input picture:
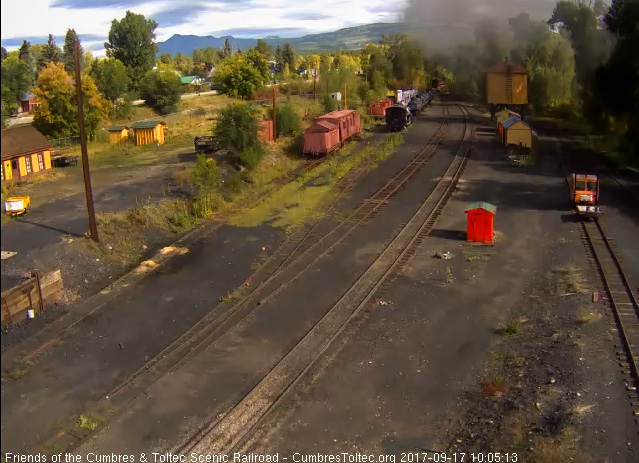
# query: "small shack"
(147, 132)
(337, 96)
(25, 153)
(517, 133)
(480, 219)
(28, 103)
(503, 125)
(118, 133)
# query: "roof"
(502, 68)
(327, 126)
(512, 120)
(27, 96)
(337, 114)
(482, 205)
(117, 128)
(24, 139)
(519, 124)
(586, 176)
(146, 124)
(188, 79)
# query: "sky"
(35, 19)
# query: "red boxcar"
(348, 122)
(321, 138)
(379, 108)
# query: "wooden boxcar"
(322, 137)
(348, 122)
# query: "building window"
(27, 162)
(40, 161)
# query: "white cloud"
(198, 17)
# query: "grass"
(448, 276)
(88, 422)
(474, 256)
(567, 280)
(512, 328)
(586, 316)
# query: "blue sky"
(241, 18)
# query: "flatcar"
(331, 131)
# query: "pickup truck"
(205, 143)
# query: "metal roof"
(188, 79)
(117, 128)
(510, 121)
(21, 140)
(482, 205)
(324, 124)
(146, 124)
(502, 68)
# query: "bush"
(161, 90)
(564, 111)
(236, 128)
(329, 104)
(288, 121)
(206, 175)
(252, 156)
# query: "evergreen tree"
(68, 51)
(50, 53)
(228, 50)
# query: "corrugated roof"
(338, 114)
(503, 68)
(187, 79)
(324, 124)
(24, 139)
(146, 124)
(510, 121)
(482, 205)
(117, 128)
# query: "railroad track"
(234, 428)
(287, 264)
(620, 298)
(618, 294)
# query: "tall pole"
(314, 84)
(83, 146)
(274, 115)
(345, 98)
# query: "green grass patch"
(512, 328)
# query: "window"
(581, 185)
(41, 161)
(27, 161)
(2, 170)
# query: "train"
(330, 131)
(400, 116)
(420, 101)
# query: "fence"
(30, 295)
(64, 142)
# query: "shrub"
(236, 129)
(206, 175)
(161, 90)
(329, 104)
(252, 156)
(288, 121)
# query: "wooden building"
(506, 85)
(118, 133)
(25, 153)
(28, 103)
(147, 132)
(517, 133)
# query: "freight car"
(398, 117)
(331, 131)
(419, 102)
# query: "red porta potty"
(480, 222)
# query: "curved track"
(284, 267)
(225, 434)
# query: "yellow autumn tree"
(57, 114)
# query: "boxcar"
(321, 138)
(348, 122)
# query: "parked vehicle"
(17, 205)
(65, 161)
(398, 117)
(205, 143)
(584, 192)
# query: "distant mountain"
(344, 39)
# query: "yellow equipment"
(17, 205)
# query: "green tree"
(227, 51)
(112, 79)
(238, 77)
(166, 58)
(205, 59)
(57, 114)
(288, 122)
(3, 54)
(259, 62)
(161, 89)
(68, 50)
(16, 80)
(25, 54)
(132, 41)
(236, 129)
(51, 53)
(288, 56)
(263, 48)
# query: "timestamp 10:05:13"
(458, 457)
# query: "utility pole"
(83, 146)
(345, 98)
(274, 115)
(314, 84)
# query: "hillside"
(348, 38)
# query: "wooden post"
(314, 84)
(83, 146)
(345, 98)
(274, 115)
(36, 273)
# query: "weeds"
(567, 280)
(87, 422)
(511, 328)
(449, 277)
(474, 256)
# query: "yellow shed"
(517, 132)
(148, 132)
(506, 84)
(118, 133)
